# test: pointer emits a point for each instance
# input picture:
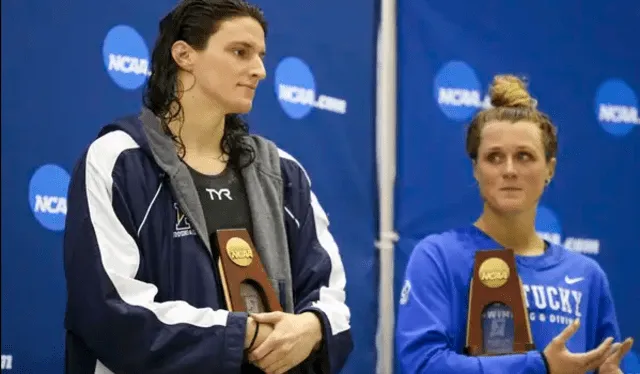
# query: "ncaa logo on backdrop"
(126, 57)
(548, 226)
(617, 107)
(457, 91)
(48, 196)
(296, 90)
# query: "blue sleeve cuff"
(234, 342)
(546, 363)
(321, 356)
(539, 363)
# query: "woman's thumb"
(271, 317)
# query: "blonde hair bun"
(510, 91)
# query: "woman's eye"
(494, 157)
(524, 156)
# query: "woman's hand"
(293, 339)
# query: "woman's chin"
(510, 207)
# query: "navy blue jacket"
(143, 293)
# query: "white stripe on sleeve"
(118, 250)
(332, 297)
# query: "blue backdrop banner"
(67, 70)
(582, 67)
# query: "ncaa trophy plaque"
(497, 321)
(244, 280)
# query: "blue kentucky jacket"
(143, 293)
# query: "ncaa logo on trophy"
(239, 251)
(494, 272)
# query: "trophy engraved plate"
(252, 299)
(497, 328)
(497, 321)
(244, 279)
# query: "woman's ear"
(474, 165)
(183, 55)
(551, 168)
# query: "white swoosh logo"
(572, 280)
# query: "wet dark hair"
(511, 102)
(194, 21)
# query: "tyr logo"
(218, 194)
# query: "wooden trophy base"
(243, 276)
(495, 281)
